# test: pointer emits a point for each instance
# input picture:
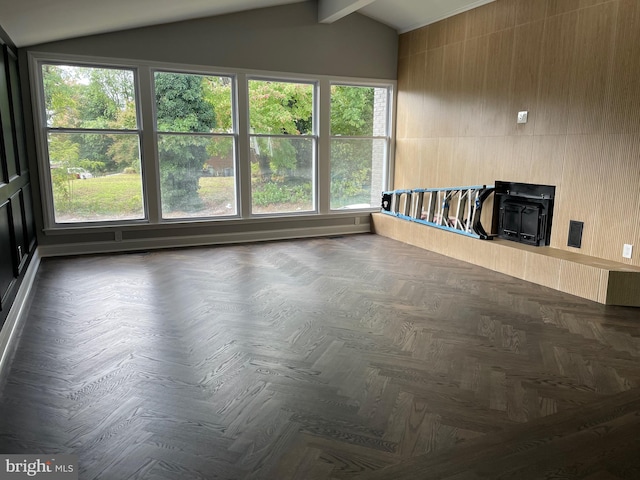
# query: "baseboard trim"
(199, 240)
(12, 324)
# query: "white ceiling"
(29, 22)
(406, 15)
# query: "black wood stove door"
(510, 220)
(530, 224)
(520, 222)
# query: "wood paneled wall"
(17, 230)
(575, 66)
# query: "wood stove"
(524, 212)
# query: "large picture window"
(133, 144)
(93, 143)
(283, 146)
(196, 145)
(359, 145)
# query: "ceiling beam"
(330, 11)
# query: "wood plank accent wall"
(574, 65)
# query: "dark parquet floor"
(353, 357)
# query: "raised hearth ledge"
(602, 281)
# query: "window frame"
(387, 138)
(233, 135)
(42, 145)
(314, 136)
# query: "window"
(150, 144)
(359, 145)
(283, 146)
(93, 143)
(196, 145)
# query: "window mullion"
(149, 146)
(324, 147)
(100, 131)
(359, 137)
(244, 155)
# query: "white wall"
(284, 39)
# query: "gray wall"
(284, 39)
(280, 39)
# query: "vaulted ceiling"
(29, 22)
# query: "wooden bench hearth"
(603, 281)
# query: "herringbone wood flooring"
(343, 358)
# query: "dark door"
(7, 266)
(530, 224)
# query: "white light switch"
(627, 251)
(523, 116)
